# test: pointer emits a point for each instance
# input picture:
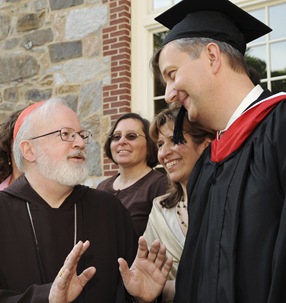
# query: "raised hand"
(147, 276)
(68, 285)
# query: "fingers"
(167, 267)
(123, 266)
(86, 275)
(78, 250)
(142, 251)
(62, 277)
(155, 249)
(160, 256)
(157, 255)
(68, 285)
(124, 270)
(72, 259)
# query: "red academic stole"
(241, 128)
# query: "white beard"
(65, 172)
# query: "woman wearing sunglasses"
(137, 183)
(168, 220)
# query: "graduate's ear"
(28, 150)
(214, 56)
(206, 142)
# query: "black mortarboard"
(217, 19)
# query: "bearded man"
(46, 213)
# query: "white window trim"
(142, 29)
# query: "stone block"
(5, 26)
(18, 67)
(38, 38)
(27, 22)
(11, 94)
(60, 4)
(38, 95)
(65, 51)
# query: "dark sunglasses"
(129, 137)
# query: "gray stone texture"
(59, 4)
(5, 25)
(90, 98)
(40, 5)
(93, 152)
(78, 70)
(12, 43)
(11, 94)
(38, 95)
(82, 22)
(17, 68)
(65, 50)
(38, 38)
(27, 22)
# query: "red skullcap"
(23, 116)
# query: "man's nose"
(79, 141)
(171, 95)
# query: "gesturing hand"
(148, 274)
(68, 285)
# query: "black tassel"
(178, 136)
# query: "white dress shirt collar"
(250, 98)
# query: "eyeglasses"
(69, 135)
(129, 137)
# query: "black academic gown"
(235, 249)
(26, 273)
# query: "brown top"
(138, 198)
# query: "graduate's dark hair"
(198, 135)
(6, 145)
(151, 157)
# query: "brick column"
(116, 42)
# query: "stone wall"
(78, 50)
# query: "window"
(161, 4)
(267, 54)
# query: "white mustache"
(77, 154)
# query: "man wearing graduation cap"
(235, 250)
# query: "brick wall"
(116, 45)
